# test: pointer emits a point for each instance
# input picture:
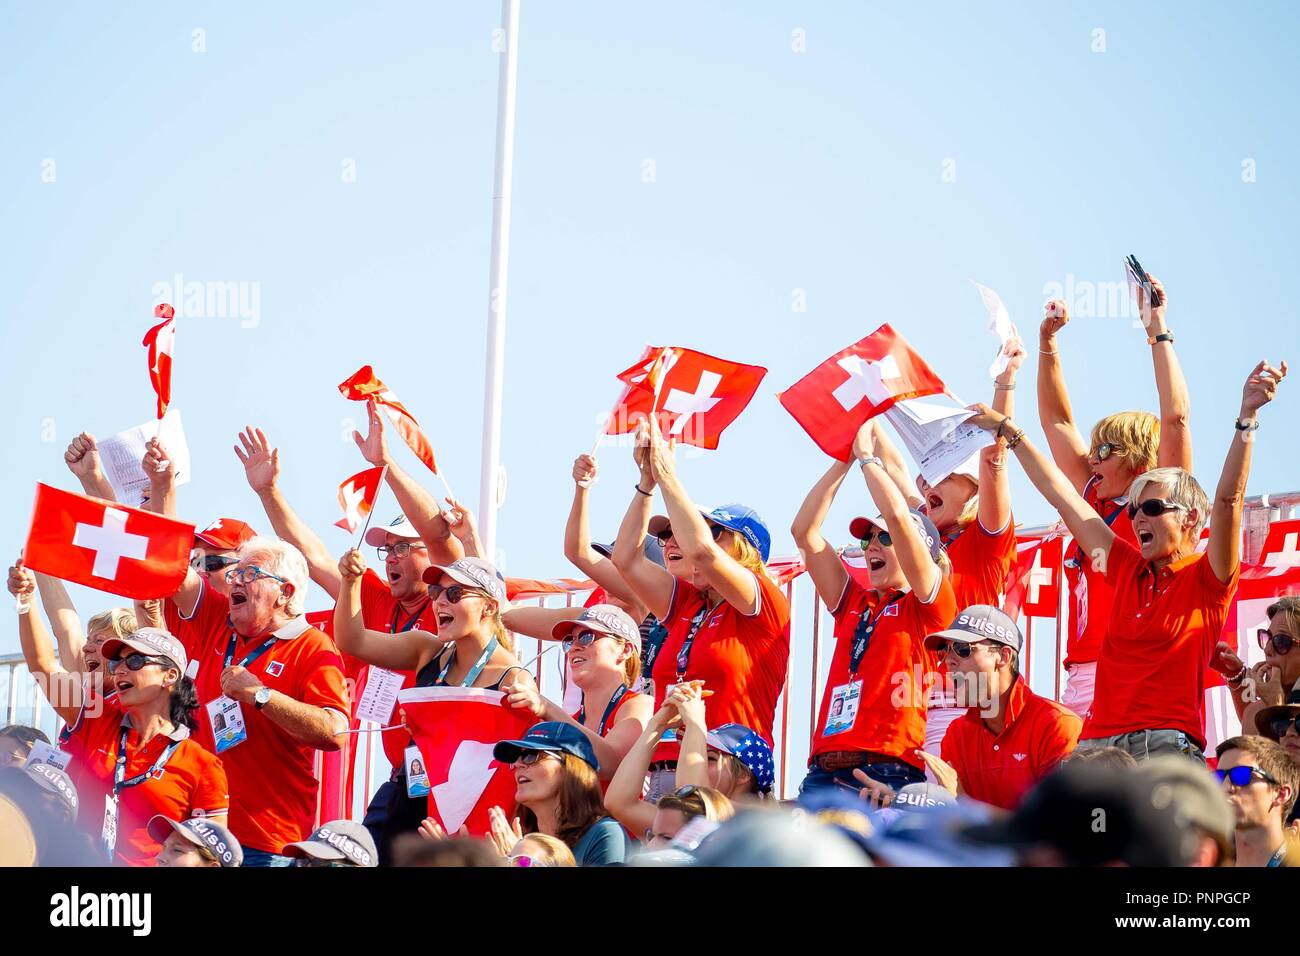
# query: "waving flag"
(357, 497)
(695, 395)
(836, 398)
(108, 546)
(161, 342)
(456, 729)
(363, 385)
(1034, 587)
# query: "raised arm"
(623, 797)
(922, 574)
(895, 463)
(1223, 548)
(161, 473)
(651, 584)
(577, 537)
(538, 622)
(82, 458)
(62, 689)
(1068, 447)
(262, 469)
(822, 561)
(351, 635)
(68, 633)
(1175, 449)
(420, 507)
(693, 757)
(995, 486)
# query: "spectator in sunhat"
(728, 622)
(197, 842)
(337, 843)
(1281, 724)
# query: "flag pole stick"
(383, 473)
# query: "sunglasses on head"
(664, 536)
(212, 563)
(135, 661)
(583, 638)
(1154, 507)
(1282, 643)
(1243, 776)
(886, 541)
(1105, 450)
(455, 592)
(399, 550)
(1280, 725)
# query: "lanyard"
(866, 627)
(1278, 856)
(410, 622)
(609, 709)
(473, 671)
(652, 642)
(684, 655)
(252, 655)
(120, 782)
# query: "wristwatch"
(1247, 426)
(262, 697)
(871, 460)
(1162, 337)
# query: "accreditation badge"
(227, 720)
(417, 776)
(843, 708)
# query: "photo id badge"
(108, 835)
(417, 777)
(42, 752)
(844, 708)
(227, 719)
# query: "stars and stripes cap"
(749, 748)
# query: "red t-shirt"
(741, 658)
(272, 776)
(1163, 628)
(1000, 770)
(1090, 594)
(981, 564)
(191, 784)
(894, 671)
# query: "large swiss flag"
(855, 384)
(456, 729)
(107, 546)
(1034, 588)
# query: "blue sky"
(681, 171)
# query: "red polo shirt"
(894, 671)
(191, 784)
(1163, 628)
(272, 776)
(981, 563)
(1090, 594)
(999, 770)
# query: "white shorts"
(937, 720)
(1081, 679)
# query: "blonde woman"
(680, 807)
(471, 649)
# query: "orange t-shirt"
(1000, 770)
(741, 658)
(1163, 628)
(894, 670)
(192, 782)
(1090, 594)
(273, 784)
(981, 563)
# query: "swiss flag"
(363, 385)
(1281, 551)
(855, 384)
(357, 498)
(696, 395)
(161, 343)
(456, 729)
(1034, 588)
(107, 546)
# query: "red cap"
(225, 534)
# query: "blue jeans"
(894, 775)
(265, 858)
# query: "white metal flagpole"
(496, 343)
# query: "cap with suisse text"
(338, 840)
(212, 836)
(979, 622)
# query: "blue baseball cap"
(749, 748)
(551, 735)
(743, 520)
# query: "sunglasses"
(455, 592)
(583, 638)
(523, 859)
(211, 563)
(1280, 725)
(136, 661)
(886, 541)
(246, 576)
(1105, 450)
(960, 648)
(399, 550)
(1244, 776)
(684, 792)
(1153, 508)
(530, 757)
(664, 536)
(1282, 643)
(312, 861)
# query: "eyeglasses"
(583, 638)
(961, 649)
(530, 757)
(664, 536)
(248, 575)
(399, 550)
(1282, 643)
(211, 563)
(523, 859)
(455, 592)
(886, 541)
(1243, 776)
(136, 661)
(1280, 725)
(1153, 507)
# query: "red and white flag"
(107, 546)
(357, 498)
(836, 398)
(161, 343)
(363, 385)
(456, 729)
(695, 395)
(1034, 587)
(1281, 551)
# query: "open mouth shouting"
(932, 503)
(444, 619)
(1145, 537)
(876, 564)
(238, 596)
(123, 684)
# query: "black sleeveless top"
(427, 676)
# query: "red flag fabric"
(1281, 551)
(363, 385)
(161, 343)
(456, 729)
(695, 395)
(357, 498)
(107, 546)
(1034, 588)
(855, 384)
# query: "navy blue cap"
(859, 527)
(551, 735)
